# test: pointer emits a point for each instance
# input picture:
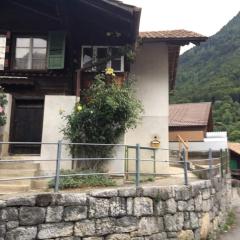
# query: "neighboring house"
(191, 121)
(234, 152)
(44, 45)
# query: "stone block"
(127, 192)
(54, 214)
(171, 206)
(174, 223)
(109, 193)
(206, 194)
(160, 208)
(194, 220)
(143, 206)
(22, 233)
(44, 200)
(74, 213)
(31, 215)
(186, 235)
(84, 228)
(129, 206)
(182, 193)
(92, 238)
(55, 230)
(98, 207)
(198, 203)
(206, 205)
(21, 201)
(182, 206)
(2, 229)
(126, 224)
(152, 192)
(118, 207)
(105, 226)
(12, 224)
(2, 204)
(158, 236)
(73, 199)
(9, 214)
(150, 225)
(118, 236)
(166, 192)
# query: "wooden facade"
(81, 23)
(191, 121)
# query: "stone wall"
(148, 213)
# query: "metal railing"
(132, 164)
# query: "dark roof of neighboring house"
(189, 114)
(234, 147)
(181, 36)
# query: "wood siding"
(188, 134)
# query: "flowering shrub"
(3, 102)
(106, 111)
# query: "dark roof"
(182, 36)
(189, 114)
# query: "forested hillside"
(211, 72)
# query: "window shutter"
(56, 49)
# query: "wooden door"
(26, 125)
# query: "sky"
(203, 16)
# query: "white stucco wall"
(151, 73)
(53, 122)
(6, 127)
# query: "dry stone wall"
(148, 213)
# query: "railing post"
(227, 160)
(58, 166)
(185, 163)
(221, 160)
(126, 162)
(138, 149)
(210, 163)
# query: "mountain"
(211, 72)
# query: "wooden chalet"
(45, 44)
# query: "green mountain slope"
(211, 72)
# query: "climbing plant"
(106, 111)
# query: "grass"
(82, 181)
(231, 219)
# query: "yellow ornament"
(79, 108)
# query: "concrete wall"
(172, 212)
(201, 146)
(53, 123)
(150, 71)
(6, 127)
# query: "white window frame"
(109, 63)
(31, 48)
(4, 48)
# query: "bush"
(82, 181)
(107, 109)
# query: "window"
(2, 51)
(30, 53)
(98, 55)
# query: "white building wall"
(53, 123)
(152, 82)
(6, 128)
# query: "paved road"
(234, 233)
